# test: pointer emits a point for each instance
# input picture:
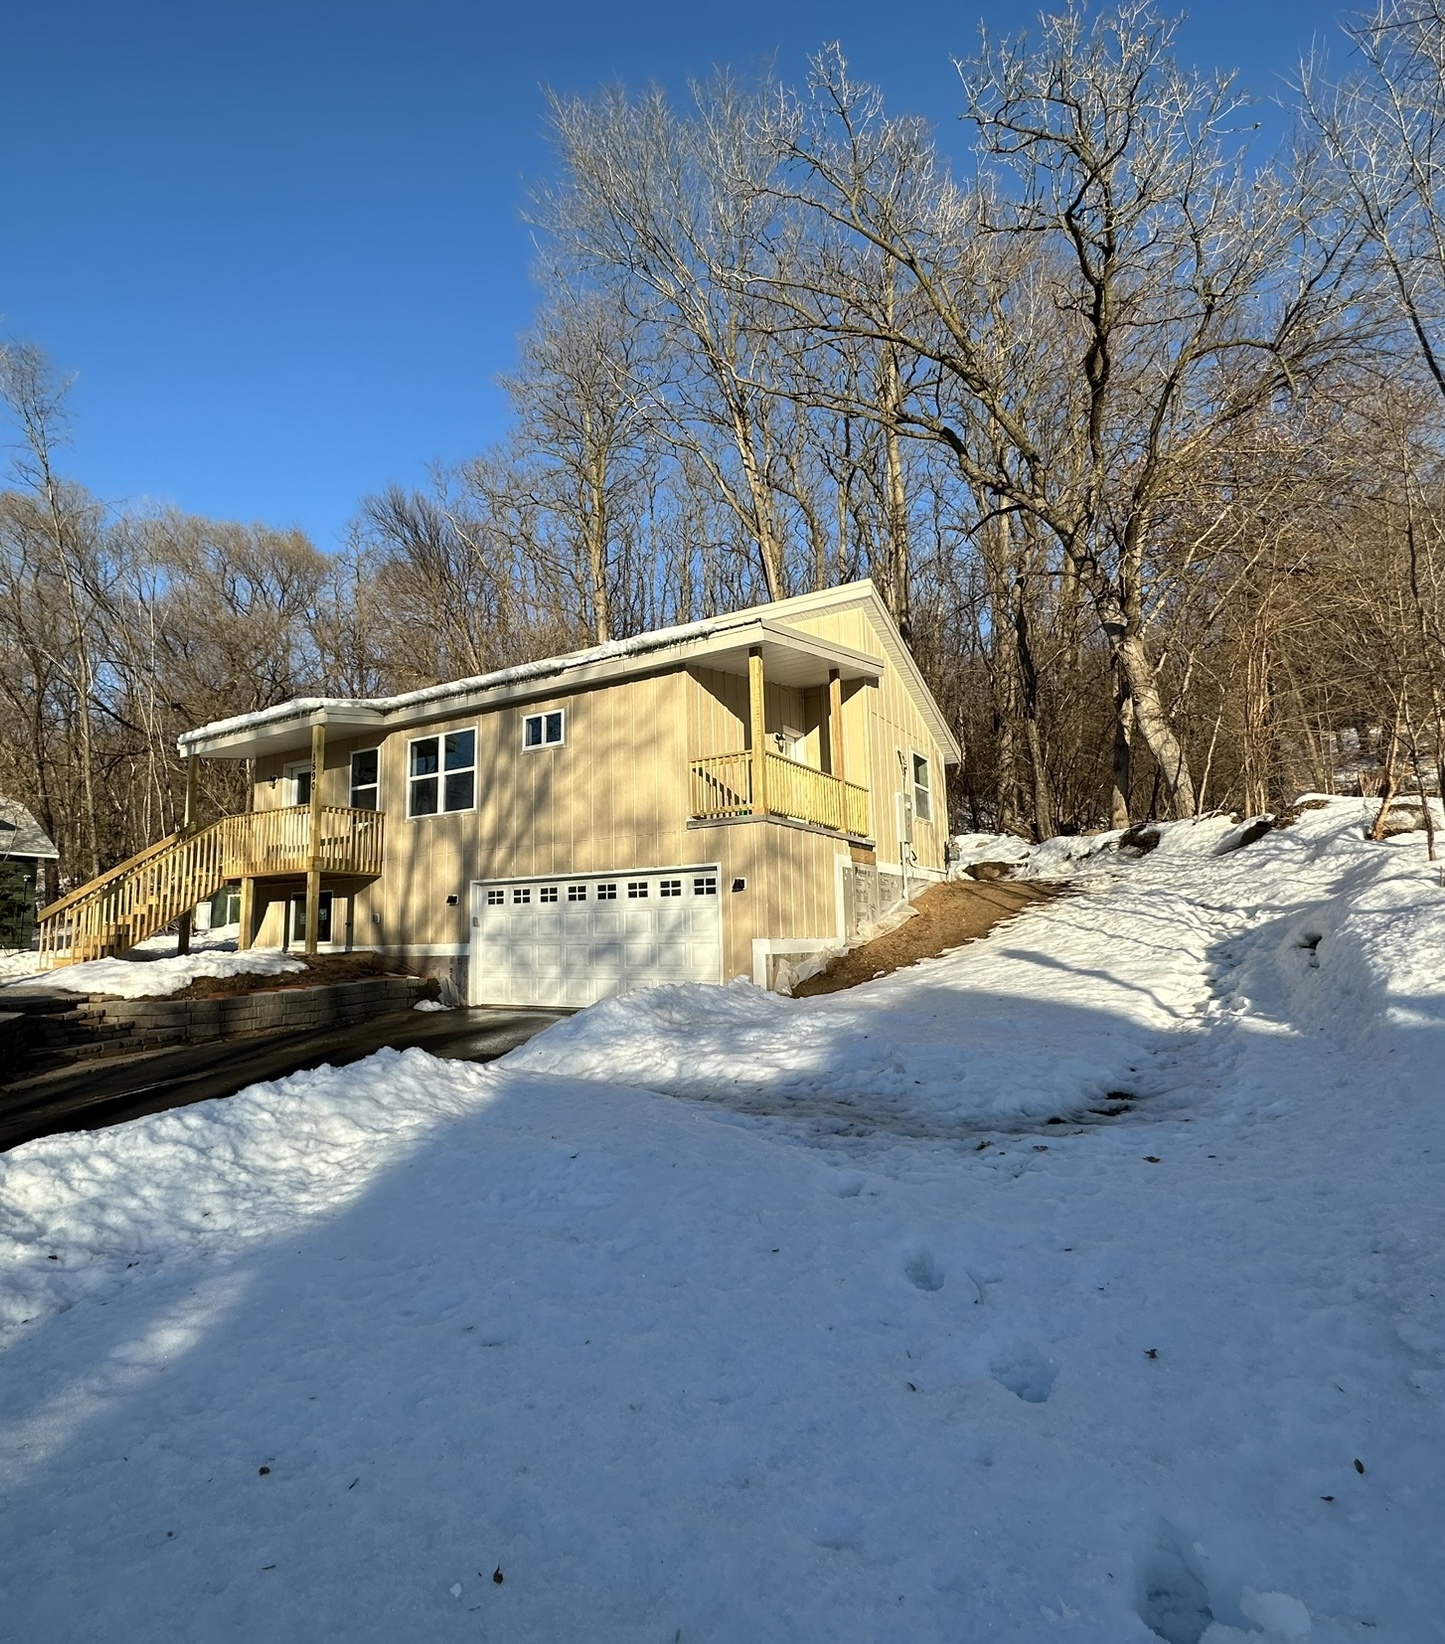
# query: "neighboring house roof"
(790, 657)
(22, 835)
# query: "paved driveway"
(108, 1092)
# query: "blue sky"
(281, 243)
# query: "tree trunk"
(1123, 752)
(1154, 726)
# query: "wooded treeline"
(1139, 436)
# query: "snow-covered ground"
(17, 962)
(153, 969)
(713, 1316)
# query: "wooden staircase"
(157, 885)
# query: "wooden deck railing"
(146, 893)
(722, 786)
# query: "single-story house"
(690, 804)
(24, 845)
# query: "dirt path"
(947, 917)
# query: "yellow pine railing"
(722, 786)
(156, 886)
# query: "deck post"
(248, 913)
(188, 818)
(757, 746)
(313, 843)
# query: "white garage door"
(581, 937)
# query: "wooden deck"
(155, 887)
(722, 788)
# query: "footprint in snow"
(1173, 1600)
(921, 1269)
(1025, 1371)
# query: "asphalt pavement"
(109, 1091)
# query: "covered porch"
(774, 774)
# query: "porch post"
(757, 747)
(188, 818)
(313, 844)
(838, 760)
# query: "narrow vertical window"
(366, 779)
(922, 789)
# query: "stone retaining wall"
(58, 1028)
(193, 1021)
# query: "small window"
(522, 894)
(607, 893)
(365, 779)
(548, 893)
(922, 789)
(670, 887)
(495, 898)
(543, 730)
(705, 885)
(636, 890)
(576, 893)
(442, 773)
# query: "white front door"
(298, 783)
(578, 938)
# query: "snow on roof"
(618, 650)
(639, 645)
(22, 835)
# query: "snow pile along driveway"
(147, 978)
(767, 1357)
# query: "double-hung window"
(922, 789)
(366, 779)
(546, 730)
(441, 773)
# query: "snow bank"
(79, 1211)
(969, 849)
(150, 978)
(1070, 856)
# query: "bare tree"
(36, 400)
(1079, 299)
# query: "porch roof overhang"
(790, 657)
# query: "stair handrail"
(104, 879)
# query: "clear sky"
(281, 240)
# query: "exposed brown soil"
(321, 971)
(947, 917)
